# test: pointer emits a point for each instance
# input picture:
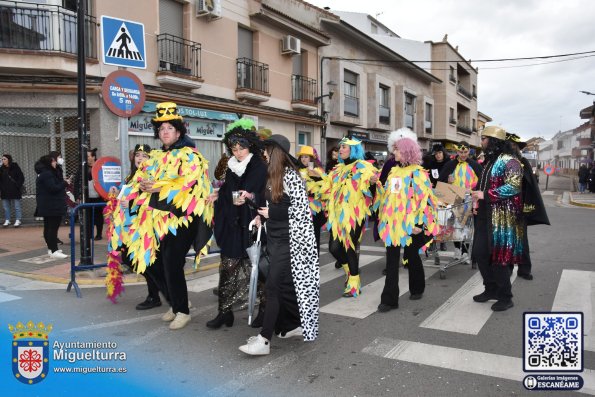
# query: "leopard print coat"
(305, 268)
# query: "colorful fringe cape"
(182, 174)
(316, 204)
(506, 208)
(464, 176)
(114, 282)
(406, 200)
(348, 197)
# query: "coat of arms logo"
(30, 351)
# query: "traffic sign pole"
(124, 147)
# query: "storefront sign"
(378, 137)
(362, 136)
(202, 129)
(195, 112)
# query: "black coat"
(583, 175)
(51, 193)
(533, 207)
(231, 221)
(11, 182)
(430, 163)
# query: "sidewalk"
(583, 200)
(23, 253)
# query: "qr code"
(553, 342)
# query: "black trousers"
(152, 287)
(417, 278)
(168, 270)
(525, 266)
(281, 312)
(496, 277)
(319, 221)
(95, 217)
(50, 231)
(348, 256)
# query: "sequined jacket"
(501, 184)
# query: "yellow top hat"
(494, 132)
(166, 111)
(306, 151)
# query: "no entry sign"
(123, 93)
(548, 169)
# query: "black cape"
(533, 207)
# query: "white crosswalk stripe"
(460, 313)
(469, 361)
(4, 297)
(367, 303)
(576, 294)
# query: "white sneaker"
(6, 223)
(457, 254)
(257, 346)
(50, 252)
(58, 255)
(294, 332)
(17, 223)
(180, 321)
(169, 315)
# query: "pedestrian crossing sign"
(123, 43)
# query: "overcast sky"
(531, 101)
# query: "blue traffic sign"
(123, 43)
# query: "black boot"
(222, 318)
(149, 303)
(484, 296)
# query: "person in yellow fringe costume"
(168, 212)
(407, 218)
(308, 159)
(348, 192)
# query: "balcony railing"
(384, 115)
(303, 89)
(452, 78)
(179, 56)
(253, 75)
(463, 91)
(464, 129)
(41, 27)
(351, 106)
(452, 121)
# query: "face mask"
(60, 161)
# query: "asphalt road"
(440, 345)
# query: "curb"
(579, 204)
(99, 281)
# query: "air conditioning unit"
(210, 8)
(290, 45)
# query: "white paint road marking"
(575, 293)
(4, 297)
(469, 361)
(328, 271)
(367, 303)
(460, 313)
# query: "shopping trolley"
(456, 226)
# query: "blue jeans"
(582, 187)
(17, 209)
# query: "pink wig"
(409, 150)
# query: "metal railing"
(351, 106)
(463, 91)
(253, 75)
(303, 89)
(452, 121)
(452, 78)
(464, 129)
(179, 56)
(383, 114)
(41, 27)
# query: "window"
(428, 120)
(409, 111)
(384, 104)
(171, 18)
(303, 138)
(452, 76)
(473, 127)
(474, 91)
(351, 104)
(451, 117)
